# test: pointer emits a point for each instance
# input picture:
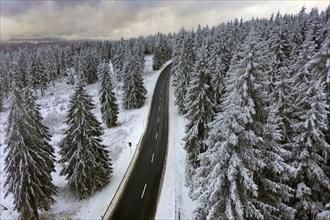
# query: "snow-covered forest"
(255, 94)
(257, 97)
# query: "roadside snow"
(54, 107)
(174, 202)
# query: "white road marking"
(157, 135)
(159, 108)
(144, 189)
(158, 119)
(152, 158)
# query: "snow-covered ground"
(174, 202)
(54, 107)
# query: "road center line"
(157, 135)
(158, 119)
(152, 158)
(159, 108)
(144, 189)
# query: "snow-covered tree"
(16, 78)
(89, 64)
(183, 69)
(119, 59)
(200, 110)
(162, 51)
(1, 98)
(240, 173)
(109, 107)
(309, 125)
(23, 62)
(38, 75)
(221, 57)
(33, 109)
(319, 67)
(134, 90)
(86, 162)
(30, 159)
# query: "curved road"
(139, 198)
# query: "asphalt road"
(139, 198)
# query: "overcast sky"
(83, 19)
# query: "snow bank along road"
(139, 198)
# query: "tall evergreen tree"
(86, 162)
(221, 57)
(23, 66)
(1, 98)
(134, 90)
(319, 67)
(309, 125)
(16, 76)
(240, 173)
(33, 110)
(109, 107)
(201, 111)
(162, 51)
(182, 71)
(89, 66)
(119, 59)
(30, 160)
(38, 75)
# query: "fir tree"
(33, 110)
(1, 98)
(89, 66)
(200, 113)
(134, 90)
(319, 67)
(86, 162)
(30, 160)
(182, 71)
(309, 125)
(16, 76)
(162, 51)
(109, 107)
(221, 61)
(119, 59)
(240, 173)
(38, 75)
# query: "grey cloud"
(18, 7)
(74, 3)
(12, 8)
(113, 19)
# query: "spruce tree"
(241, 171)
(310, 125)
(33, 110)
(119, 59)
(134, 90)
(86, 162)
(319, 67)
(162, 51)
(1, 98)
(200, 111)
(16, 79)
(221, 61)
(89, 66)
(109, 107)
(183, 71)
(38, 75)
(29, 161)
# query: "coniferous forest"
(256, 95)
